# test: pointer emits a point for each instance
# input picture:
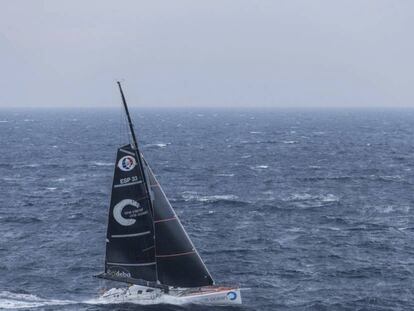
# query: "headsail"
(178, 262)
(130, 237)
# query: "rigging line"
(127, 152)
(131, 264)
(175, 255)
(126, 129)
(130, 235)
(164, 220)
(120, 124)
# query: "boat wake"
(9, 300)
(15, 301)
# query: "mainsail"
(145, 239)
(130, 248)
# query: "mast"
(146, 241)
(131, 126)
(134, 146)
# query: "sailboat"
(147, 248)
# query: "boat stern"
(214, 296)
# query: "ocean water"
(310, 210)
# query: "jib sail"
(178, 262)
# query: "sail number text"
(128, 180)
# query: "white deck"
(209, 295)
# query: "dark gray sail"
(130, 250)
(145, 239)
(178, 262)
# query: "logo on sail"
(126, 211)
(119, 272)
(127, 163)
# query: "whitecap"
(246, 156)
(32, 165)
(290, 142)
(334, 228)
(295, 229)
(390, 177)
(159, 145)
(51, 188)
(209, 198)
(102, 163)
(225, 175)
(325, 198)
(259, 167)
(329, 198)
(314, 167)
(392, 208)
(299, 197)
(256, 132)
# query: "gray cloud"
(207, 53)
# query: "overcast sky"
(296, 53)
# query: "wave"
(314, 167)
(98, 163)
(388, 209)
(327, 198)
(20, 301)
(382, 178)
(9, 300)
(21, 219)
(211, 198)
(32, 165)
(159, 145)
(259, 167)
(224, 175)
(61, 179)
